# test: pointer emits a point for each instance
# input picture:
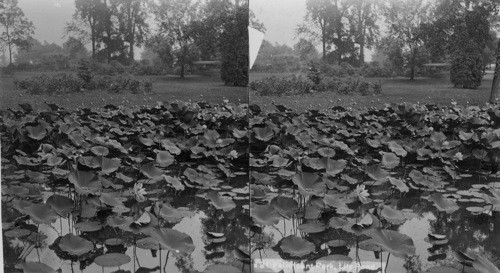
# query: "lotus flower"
(139, 192)
(362, 194)
(233, 154)
(458, 156)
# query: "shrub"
(42, 84)
(377, 87)
(65, 83)
(144, 69)
(364, 88)
(275, 86)
(148, 86)
(281, 85)
(375, 69)
(134, 86)
(313, 74)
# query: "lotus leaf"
(88, 226)
(265, 215)
(313, 227)
(109, 165)
(164, 158)
(75, 245)
(221, 202)
(171, 239)
(100, 150)
(263, 133)
(310, 183)
(390, 160)
(112, 260)
(42, 213)
(484, 265)
(376, 173)
(393, 216)
(174, 182)
(36, 132)
(85, 182)
(398, 244)
(443, 204)
(170, 146)
(296, 246)
(397, 148)
(285, 206)
(61, 204)
(400, 184)
(151, 171)
(35, 267)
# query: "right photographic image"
(374, 136)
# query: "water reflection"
(203, 218)
(465, 231)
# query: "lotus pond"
(406, 188)
(161, 189)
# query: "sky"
(280, 17)
(49, 17)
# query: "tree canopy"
(16, 28)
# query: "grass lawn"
(394, 90)
(206, 87)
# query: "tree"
(404, 18)
(209, 26)
(471, 32)
(86, 22)
(75, 48)
(364, 21)
(17, 29)
(317, 23)
(174, 18)
(234, 46)
(495, 86)
(49, 56)
(132, 23)
(306, 50)
(344, 24)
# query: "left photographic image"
(124, 135)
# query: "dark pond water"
(197, 219)
(341, 250)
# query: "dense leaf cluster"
(109, 171)
(342, 173)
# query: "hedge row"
(65, 83)
(297, 85)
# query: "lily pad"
(42, 214)
(285, 205)
(75, 245)
(296, 246)
(35, 267)
(265, 215)
(443, 204)
(398, 244)
(61, 204)
(112, 260)
(221, 202)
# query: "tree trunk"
(412, 64)
(131, 29)
(361, 32)
(182, 70)
(10, 53)
(495, 86)
(93, 44)
(323, 40)
(9, 42)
